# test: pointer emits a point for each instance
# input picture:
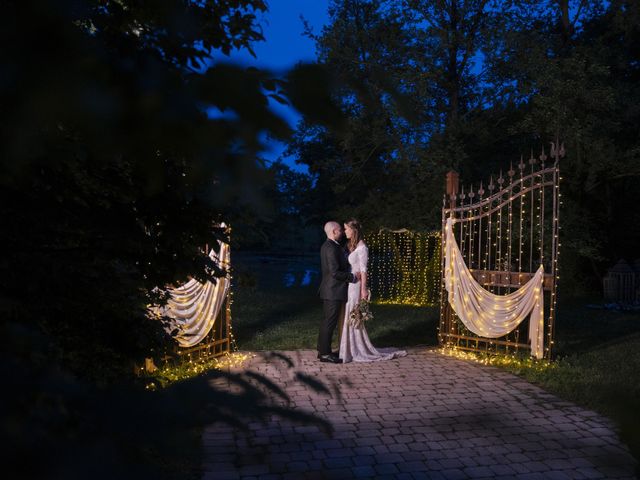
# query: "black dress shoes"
(330, 358)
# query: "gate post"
(452, 185)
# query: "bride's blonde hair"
(357, 234)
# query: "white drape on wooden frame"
(194, 306)
(486, 314)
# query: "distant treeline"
(427, 86)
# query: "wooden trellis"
(505, 233)
(217, 342)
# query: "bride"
(355, 345)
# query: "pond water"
(276, 271)
(291, 280)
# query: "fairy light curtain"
(194, 306)
(404, 267)
(486, 314)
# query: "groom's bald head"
(333, 230)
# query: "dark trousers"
(332, 312)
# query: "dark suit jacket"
(336, 272)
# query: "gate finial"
(543, 157)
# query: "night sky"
(284, 46)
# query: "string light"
(499, 262)
(495, 258)
(171, 373)
(217, 351)
(511, 361)
(405, 267)
(522, 212)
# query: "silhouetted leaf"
(312, 382)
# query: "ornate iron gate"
(505, 233)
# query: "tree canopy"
(125, 137)
(471, 85)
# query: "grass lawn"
(598, 365)
(267, 315)
(289, 319)
(598, 351)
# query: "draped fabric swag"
(486, 314)
(194, 307)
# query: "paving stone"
(364, 451)
(502, 470)
(362, 460)
(380, 449)
(338, 452)
(590, 473)
(385, 468)
(364, 471)
(254, 470)
(298, 466)
(559, 464)
(454, 474)
(337, 473)
(412, 456)
(421, 416)
(557, 475)
(478, 472)
(337, 462)
(412, 466)
(232, 475)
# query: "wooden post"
(149, 366)
(452, 186)
(227, 315)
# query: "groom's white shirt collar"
(334, 241)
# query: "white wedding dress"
(355, 345)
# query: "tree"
(489, 80)
(115, 166)
(114, 172)
(568, 70)
(378, 154)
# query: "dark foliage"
(123, 141)
(478, 83)
(57, 427)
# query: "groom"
(336, 275)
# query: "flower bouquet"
(360, 314)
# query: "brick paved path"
(422, 416)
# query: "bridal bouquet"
(360, 314)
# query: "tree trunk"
(565, 22)
(453, 73)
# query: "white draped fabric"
(486, 314)
(194, 307)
